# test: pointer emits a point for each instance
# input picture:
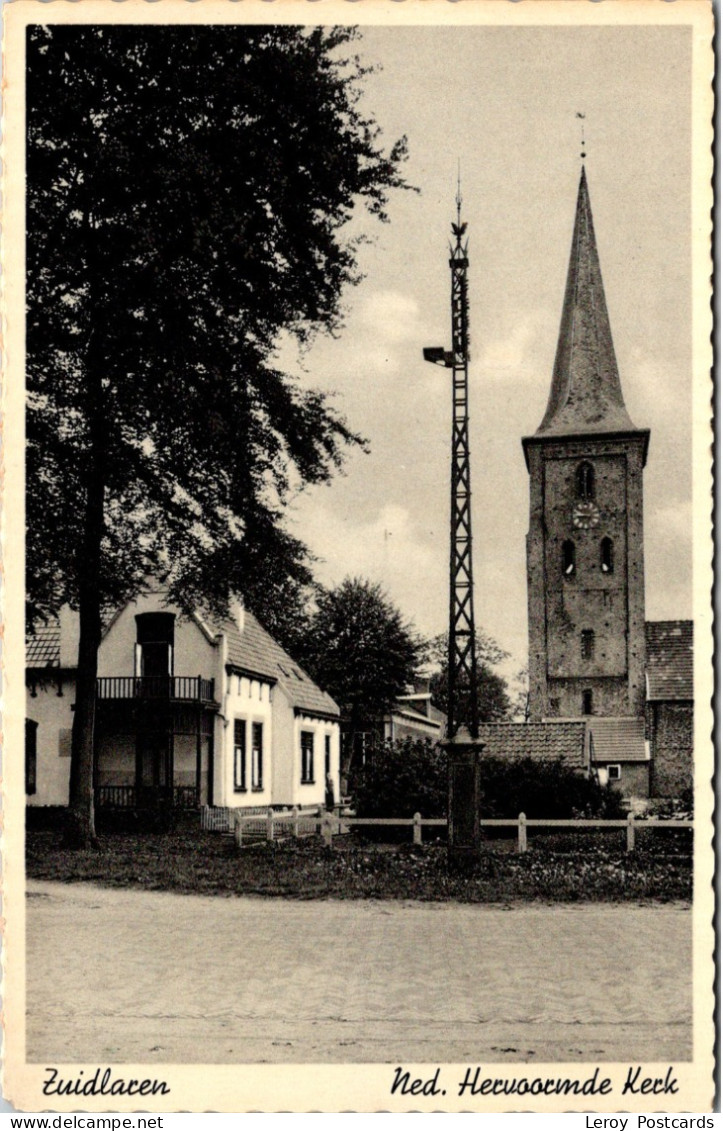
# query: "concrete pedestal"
(464, 755)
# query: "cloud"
(391, 317)
(390, 548)
(668, 561)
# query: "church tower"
(585, 583)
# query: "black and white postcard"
(357, 556)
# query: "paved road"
(122, 976)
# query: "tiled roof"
(253, 650)
(42, 648)
(618, 740)
(545, 742)
(669, 659)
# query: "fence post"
(522, 833)
(631, 832)
(295, 821)
(417, 829)
(204, 817)
(269, 824)
(326, 828)
(238, 830)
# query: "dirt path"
(118, 976)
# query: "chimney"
(238, 613)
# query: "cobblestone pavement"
(118, 976)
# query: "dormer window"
(585, 477)
(606, 555)
(568, 558)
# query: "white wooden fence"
(295, 823)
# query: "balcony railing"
(146, 797)
(184, 688)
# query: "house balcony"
(171, 688)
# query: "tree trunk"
(80, 830)
(80, 824)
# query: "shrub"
(671, 808)
(402, 778)
(543, 789)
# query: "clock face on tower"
(585, 516)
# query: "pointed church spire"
(585, 396)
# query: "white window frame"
(615, 771)
(239, 758)
(307, 757)
(257, 756)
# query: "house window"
(614, 772)
(154, 648)
(327, 755)
(362, 744)
(239, 755)
(554, 706)
(31, 756)
(568, 558)
(257, 756)
(585, 477)
(307, 757)
(587, 702)
(606, 555)
(587, 644)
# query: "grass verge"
(575, 867)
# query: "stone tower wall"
(563, 605)
(670, 730)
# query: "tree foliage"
(188, 190)
(493, 701)
(360, 649)
(187, 193)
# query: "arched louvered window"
(585, 481)
(568, 558)
(606, 555)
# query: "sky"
(503, 102)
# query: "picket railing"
(330, 825)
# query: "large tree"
(362, 651)
(188, 189)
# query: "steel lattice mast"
(462, 660)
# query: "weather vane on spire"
(582, 133)
(459, 228)
(458, 198)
